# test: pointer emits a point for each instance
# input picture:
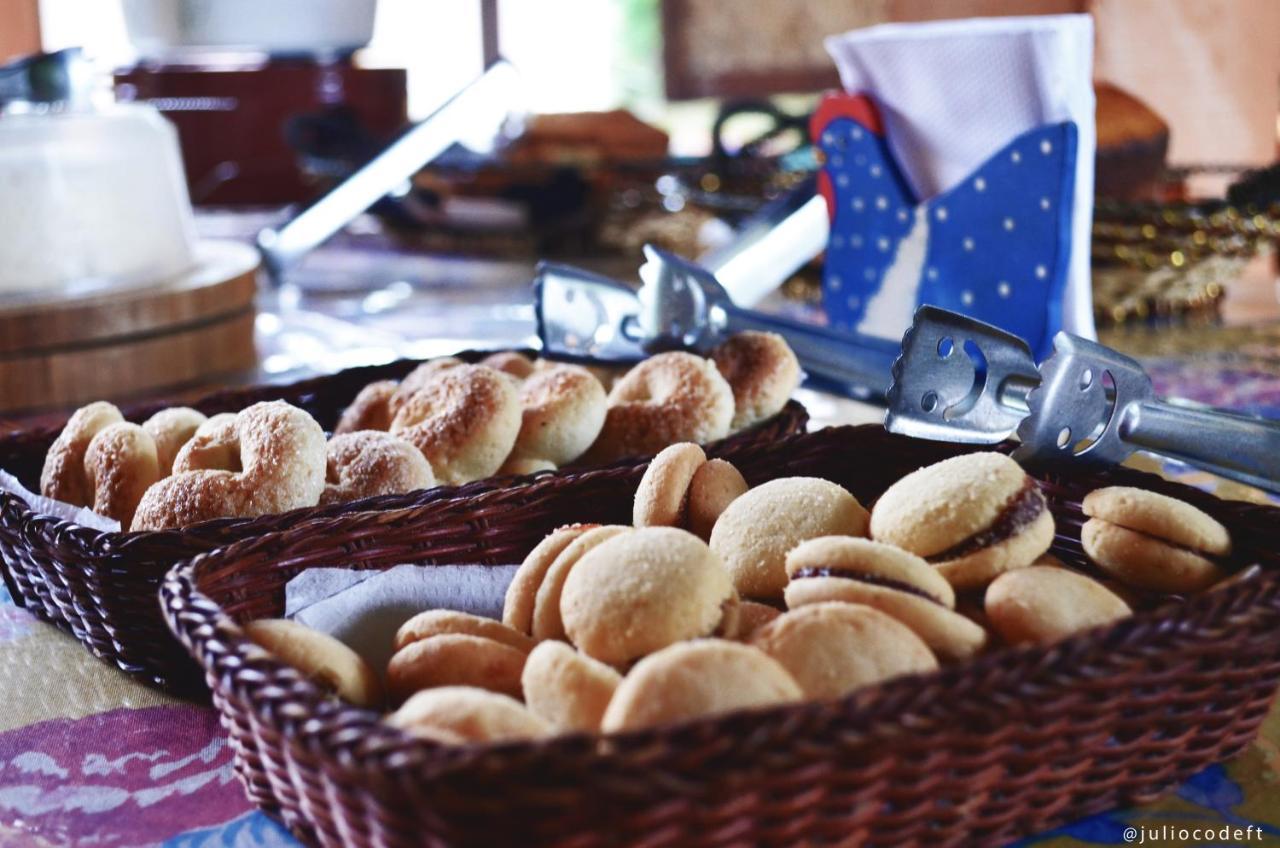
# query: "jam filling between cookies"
(1022, 509)
(864, 577)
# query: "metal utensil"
(477, 111)
(958, 379)
(681, 305)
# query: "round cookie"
(832, 648)
(509, 362)
(972, 517)
(63, 476)
(753, 615)
(667, 398)
(663, 490)
(368, 462)
(455, 659)
(693, 679)
(1136, 559)
(754, 534)
(320, 657)
(640, 591)
(562, 411)
(1043, 604)
(714, 486)
(889, 579)
(762, 370)
(566, 688)
(371, 410)
(461, 714)
(1161, 516)
(120, 465)
(416, 380)
(438, 622)
(522, 592)
(170, 429)
(548, 622)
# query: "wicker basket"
(101, 587)
(1013, 743)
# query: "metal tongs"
(682, 306)
(961, 380)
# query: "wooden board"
(123, 345)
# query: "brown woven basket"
(1015, 742)
(101, 587)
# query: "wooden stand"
(113, 345)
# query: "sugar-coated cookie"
(566, 688)
(1153, 541)
(522, 592)
(972, 516)
(894, 581)
(754, 534)
(692, 679)
(320, 657)
(1045, 604)
(456, 715)
(368, 463)
(832, 648)
(762, 370)
(640, 591)
(171, 429)
(562, 411)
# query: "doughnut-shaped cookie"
(171, 429)
(320, 657)
(562, 411)
(668, 398)
(416, 379)
(63, 475)
(509, 362)
(371, 410)
(120, 465)
(762, 370)
(464, 420)
(269, 458)
(367, 463)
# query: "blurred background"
(675, 122)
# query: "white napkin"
(952, 93)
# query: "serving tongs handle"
(854, 368)
(1238, 447)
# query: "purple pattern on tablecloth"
(1219, 380)
(124, 777)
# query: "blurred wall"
(19, 28)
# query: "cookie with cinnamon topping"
(973, 517)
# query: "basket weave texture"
(1013, 743)
(101, 587)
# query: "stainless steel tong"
(681, 305)
(961, 380)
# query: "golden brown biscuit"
(755, 532)
(438, 622)
(1161, 516)
(171, 429)
(462, 714)
(753, 615)
(120, 465)
(663, 491)
(833, 648)
(1043, 604)
(566, 688)
(320, 657)
(547, 620)
(510, 362)
(522, 593)
(639, 591)
(269, 458)
(762, 370)
(416, 380)
(464, 419)
(368, 463)
(668, 398)
(455, 659)
(63, 477)
(889, 579)
(972, 516)
(693, 679)
(371, 410)
(562, 411)
(714, 486)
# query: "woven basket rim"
(423, 758)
